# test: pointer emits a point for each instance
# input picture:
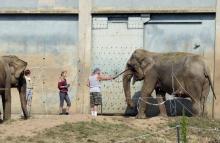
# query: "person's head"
(96, 71)
(27, 72)
(63, 73)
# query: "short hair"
(27, 72)
(96, 70)
(63, 72)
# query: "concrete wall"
(84, 9)
(49, 44)
(217, 61)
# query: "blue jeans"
(64, 96)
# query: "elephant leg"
(160, 99)
(204, 112)
(195, 92)
(147, 89)
(141, 109)
(196, 108)
(205, 93)
(6, 100)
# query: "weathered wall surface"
(217, 61)
(49, 45)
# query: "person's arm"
(104, 77)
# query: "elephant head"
(136, 67)
(16, 67)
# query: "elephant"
(179, 73)
(12, 76)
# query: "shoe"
(67, 113)
(60, 113)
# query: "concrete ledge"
(39, 11)
(107, 10)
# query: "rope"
(185, 89)
(173, 108)
(172, 79)
(141, 99)
(186, 108)
(173, 104)
(174, 76)
(152, 103)
(209, 129)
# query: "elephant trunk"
(22, 92)
(126, 85)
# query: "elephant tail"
(207, 75)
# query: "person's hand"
(68, 85)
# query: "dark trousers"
(64, 96)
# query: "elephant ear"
(147, 64)
(20, 68)
(16, 65)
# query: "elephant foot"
(141, 116)
(25, 118)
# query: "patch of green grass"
(105, 132)
(198, 128)
(197, 122)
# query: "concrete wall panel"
(49, 45)
(217, 61)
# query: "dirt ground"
(19, 127)
(102, 129)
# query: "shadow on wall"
(174, 107)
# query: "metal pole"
(101, 108)
(178, 133)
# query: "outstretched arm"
(104, 77)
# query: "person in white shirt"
(29, 89)
(95, 89)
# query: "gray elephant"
(12, 75)
(179, 73)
